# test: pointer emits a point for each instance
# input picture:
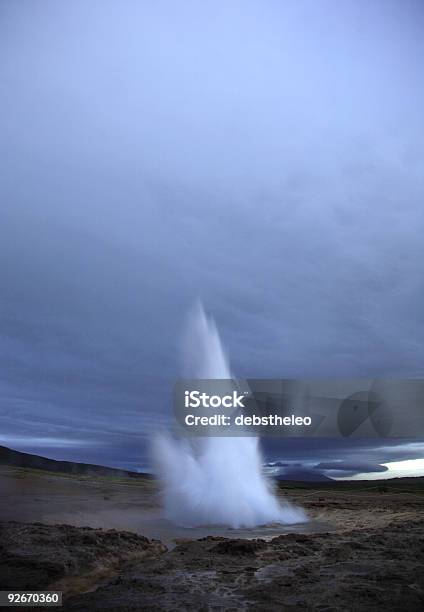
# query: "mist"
(219, 480)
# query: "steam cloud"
(215, 480)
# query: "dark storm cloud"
(348, 457)
(331, 466)
(265, 156)
(335, 466)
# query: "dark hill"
(35, 462)
(302, 475)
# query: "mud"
(367, 554)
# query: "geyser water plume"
(215, 480)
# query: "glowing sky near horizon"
(395, 469)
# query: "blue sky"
(265, 156)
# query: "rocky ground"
(364, 570)
(369, 557)
(62, 557)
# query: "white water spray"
(215, 480)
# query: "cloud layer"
(267, 157)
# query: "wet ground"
(363, 548)
(171, 534)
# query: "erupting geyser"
(215, 480)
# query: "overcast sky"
(266, 156)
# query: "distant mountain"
(302, 475)
(26, 460)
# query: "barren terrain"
(97, 539)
